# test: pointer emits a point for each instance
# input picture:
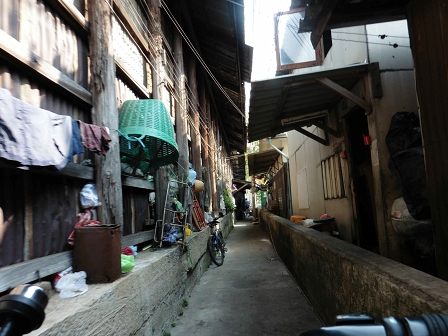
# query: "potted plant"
(228, 201)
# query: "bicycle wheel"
(216, 251)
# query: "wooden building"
(84, 59)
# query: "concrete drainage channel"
(142, 302)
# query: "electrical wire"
(170, 66)
(173, 75)
(300, 39)
(381, 36)
(213, 149)
(198, 56)
(395, 45)
(153, 67)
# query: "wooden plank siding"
(28, 271)
(44, 62)
(84, 59)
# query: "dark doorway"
(361, 171)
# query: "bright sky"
(259, 24)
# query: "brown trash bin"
(97, 251)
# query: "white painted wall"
(354, 45)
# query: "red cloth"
(127, 251)
(94, 138)
(84, 219)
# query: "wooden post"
(161, 176)
(195, 132)
(430, 53)
(156, 60)
(105, 112)
(205, 149)
(214, 173)
(181, 114)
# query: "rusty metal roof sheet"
(262, 161)
(283, 97)
(330, 14)
(218, 27)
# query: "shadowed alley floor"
(251, 294)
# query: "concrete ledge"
(142, 302)
(341, 278)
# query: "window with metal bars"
(332, 177)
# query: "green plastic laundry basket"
(147, 139)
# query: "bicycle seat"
(213, 222)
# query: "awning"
(238, 163)
(332, 14)
(241, 185)
(291, 102)
(262, 161)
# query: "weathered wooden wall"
(46, 49)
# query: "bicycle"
(215, 244)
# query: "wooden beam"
(237, 54)
(180, 106)
(74, 170)
(72, 15)
(326, 128)
(123, 14)
(322, 21)
(16, 53)
(324, 142)
(375, 80)
(82, 172)
(280, 103)
(137, 238)
(142, 91)
(105, 112)
(235, 191)
(135, 182)
(345, 93)
(77, 171)
(31, 270)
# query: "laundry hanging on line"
(31, 136)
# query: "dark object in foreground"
(22, 310)
(360, 324)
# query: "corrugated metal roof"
(262, 161)
(331, 14)
(239, 167)
(219, 31)
(295, 95)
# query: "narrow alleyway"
(251, 294)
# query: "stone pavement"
(251, 294)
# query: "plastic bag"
(72, 284)
(208, 217)
(191, 175)
(89, 197)
(127, 263)
(404, 132)
(407, 162)
(307, 222)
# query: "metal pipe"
(287, 176)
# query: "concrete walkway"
(251, 294)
